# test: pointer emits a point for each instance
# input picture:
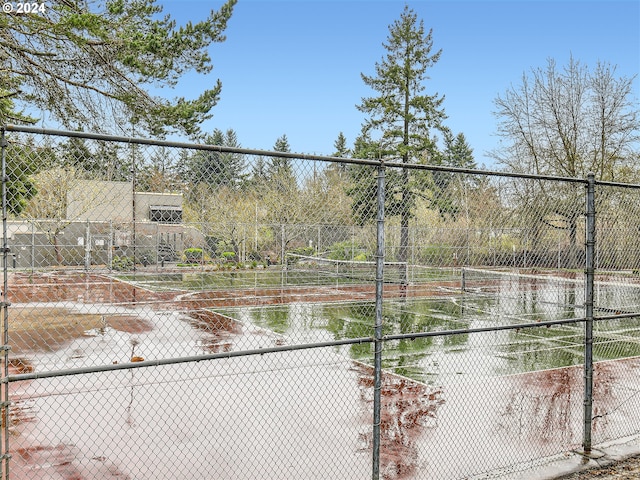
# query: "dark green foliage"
(280, 173)
(75, 153)
(364, 184)
(194, 255)
(340, 145)
(457, 154)
(122, 263)
(402, 117)
(23, 161)
(215, 168)
(89, 63)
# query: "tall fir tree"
(340, 146)
(402, 115)
(280, 170)
(457, 153)
(214, 168)
(342, 151)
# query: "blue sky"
(293, 66)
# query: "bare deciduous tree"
(568, 122)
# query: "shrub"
(361, 257)
(302, 251)
(229, 256)
(122, 263)
(347, 250)
(194, 255)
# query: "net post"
(588, 303)
(377, 383)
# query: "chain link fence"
(178, 311)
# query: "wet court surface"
(297, 414)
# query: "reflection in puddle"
(62, 461)
(407, 410)
(546, 406)
(217, 329)
(541, 405)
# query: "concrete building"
(100, 222)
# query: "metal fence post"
(87, 247)
(588, 303)
(378, 325)
(4, 435)
(133, 208)
(33, 247)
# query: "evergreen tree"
(402, 115)
(115, 163)
(340, 145)
(342, 151)
(457, 153)
(77, 155)
(214, 168)
(9, 90)
(22, 163)
(159, 174)
(280, 170)
(364, 183)
(259, 172)
(88, 62)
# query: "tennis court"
(509, 399)
(322, 300)
(490, 299)
(525, 384)
(505, 401)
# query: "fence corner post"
(589, 303)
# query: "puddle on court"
(432, 359)
(407, 410)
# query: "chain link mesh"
(207, 312)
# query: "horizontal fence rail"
(174, 310)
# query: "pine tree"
(340, 145)
(401, 114)
(342, 151)
(280, 170)
(457, 153)
(216, 169)
(89, 62)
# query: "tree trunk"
(56, 248)
(574, 253)
(405, 215)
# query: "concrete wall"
(99, 201)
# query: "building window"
(165, 213)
